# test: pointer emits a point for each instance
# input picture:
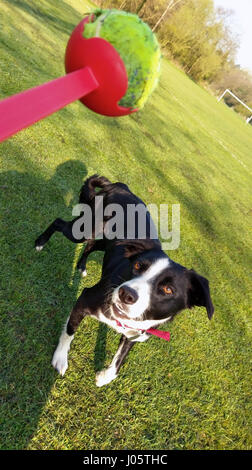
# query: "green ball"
(137, 46)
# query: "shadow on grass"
(48, 13)
(100, 347)
(38, 291)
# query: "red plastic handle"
(26, 108)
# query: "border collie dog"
(140, 287)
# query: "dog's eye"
(167, 290)
(137, 266)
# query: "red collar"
(152, 331)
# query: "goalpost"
(240, 101)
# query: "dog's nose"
(127, 295)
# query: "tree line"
(198, 37)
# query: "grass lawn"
(184, 148)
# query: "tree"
(194, 35)
(170, 5)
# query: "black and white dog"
(140, 287)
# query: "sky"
(241, 24)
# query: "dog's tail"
(88, 192)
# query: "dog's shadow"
(37, 292)
(100, 347)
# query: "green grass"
(183, 147)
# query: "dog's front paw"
(39, 243)
(105, 376)
(83, 272)
(59, 361)
(81, 266)
(39, 247)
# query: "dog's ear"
(199, 293)
(137, 246)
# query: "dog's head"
(157, 288)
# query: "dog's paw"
(105, 376)
(59, 361)
(39, 247)
(83, 273)
(39, 243)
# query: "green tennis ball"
(137, 46)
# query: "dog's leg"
(92, 245)
(58, 225)
(59, 360)
(105, 376)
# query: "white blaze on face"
(143, 286)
